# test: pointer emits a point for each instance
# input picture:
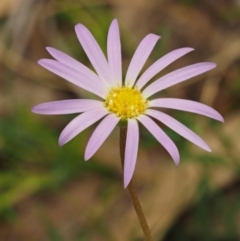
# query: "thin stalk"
(132, 191)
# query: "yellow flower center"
(126, 102)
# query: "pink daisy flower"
(123, 100)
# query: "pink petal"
(100, 134)
(176, 77)
(178, 127)
(140, 57)
(131, 150)
(160, 64)
(74, 76)
(186, 105)
(80, 123)
(163, 139)
(94, 53)
(67, 60)
(66, 107)
(114, 52)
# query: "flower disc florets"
(125, 102)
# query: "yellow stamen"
(125, 102)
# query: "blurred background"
(50, 193)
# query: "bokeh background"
(50, 193)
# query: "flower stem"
(132, 190)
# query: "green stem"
(132, 190)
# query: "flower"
(128, 100)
